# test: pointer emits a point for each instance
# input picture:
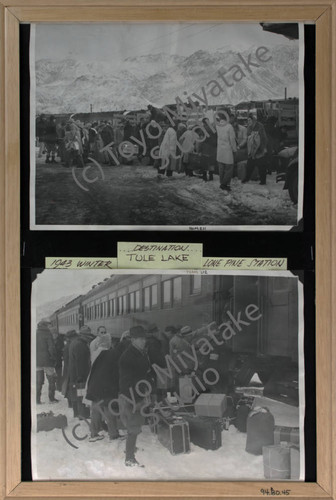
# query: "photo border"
(179, 272)
(167, 227)
(12, 12)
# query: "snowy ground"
(134, 195)
(55, 459)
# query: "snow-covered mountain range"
(45, 310)
(70, 86)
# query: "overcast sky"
(52, 284)
(114, 42)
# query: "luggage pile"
(278, 445)
(49, 421)
(202, 421)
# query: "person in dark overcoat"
(135, 387)
(59, 348)
(156, 356)
(66, 390)
(102, 388)
(208, 148)
(45, 361)
(79, 369)
(154, 346)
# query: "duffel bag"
(260, 430)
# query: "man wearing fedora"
(135, 386)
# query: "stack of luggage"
(201, 421)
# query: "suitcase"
(185, 389)
(276, 462)
(173, 434)
(288, 434)
(211, 405)
(260, 430)
(49, 421)
(205, 432)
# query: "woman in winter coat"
(73, 145)
(226, 147)
(180, 343)
(187, 141)
(167, 152)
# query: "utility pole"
(91, 108)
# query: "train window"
(166, 294)
(177, 290)
(137, 300)
(154, 298)
(147, 304)
(195, 284)
(120, 306)
(131, 301)
(125, 308)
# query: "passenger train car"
(195, 300)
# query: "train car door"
(245, 292)
(279, 333)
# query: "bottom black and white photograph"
(171, 375)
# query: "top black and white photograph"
(161, 126)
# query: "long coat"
(182, 344)
(103, 382)
(45, 348)
(65, 374)
(134, 366)
(79, 361)
(226, 144)
(168, 147)
(209, 146)
(154, 350)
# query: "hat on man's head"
(185, 330)
(70, 334)
(152, 328)
(84, 330)
(44, 324)
(137, 332)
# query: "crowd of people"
(206, 145)
(95, 370)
